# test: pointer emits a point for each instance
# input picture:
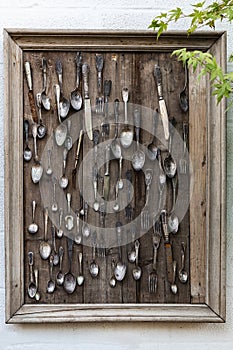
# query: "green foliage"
(201, 15)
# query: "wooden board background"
(133, 70)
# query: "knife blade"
(162, 104)
(168, 247)
(87, 102)
(107, 174)
(30, 91)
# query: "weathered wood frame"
(208, 133)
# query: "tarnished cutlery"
(54, 250)
(54, 205)
(152, 149)
(101, 251)
(168, 247)
(80, 277)
(115, 144)
(137, 271)
(49, 169)
(41, 128)
(145, 214)
(76, 97)
(32, 285)
(44, 97)
(174, 288)
(77, 158)
(129, 208)
(28, 73)
(45, 248)
(63, 181)
(33, 227)
(132, 252)
(153, 278)
(70, 281)
(27, 154)
(183, 160)
(86, 230)
(78, 236)
(173, 220)
(61, 131)
(60, 231)
(107, 91)
(126, 136)
(94, 267)
(68, 141)
(107, 173)
(183, 98)
(64, 103)
(113, 281)
(183, 274)
(37, 295)
(87, 102)
(51, 283)
(120, 267)
(37, 169)
(69, 219)
(100, 99)
(60, 275)
(138, 158)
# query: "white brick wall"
(108, 14)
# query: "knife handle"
(28, 74)
(158, 78)
(85, 72)
(164, 225)
(99, 60)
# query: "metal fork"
(99, 60)
(153, 278)
(183, 160)
(145, 215)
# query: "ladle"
(115, 145)
(64, 103)
(183, 98)
(33, 227)
(126, 136)
(27, 154)
(61, 130)
(44, 98)
(183, 274)
(51, 283)
(41, 128)
(69, 284)
(137, 271)
(45, 247)
(76, 97)
(80, 277)
(63, 181)
(138, 158)
(60, 274)
(32, 285)
(69, 219)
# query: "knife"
(162, 105)
(87, 102)
(168, 247)
(30, 92)
(107, 173)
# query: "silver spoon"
(80, 277)
(63, 181)
(116, 206)
(113, 281)
(69, 280)
(41, 128)
(76, 97)
(115, 145)
(78, 237)
(54, 252)
(120, 181)
(120, 268)
(49, 170)
(173, 220)
(61, 131)
(132, 252)
(44, 98)
(152, 148)
(183, 98)
(64, 103)
(69, 219)
(183, 274)
(27, 154)
(86, 227)
(45, 247)
(32, 286)
(51, 283)
(60, 230)
(94, 267)
(54, 206)
(138, 158)
(169, 163)
(37, 169)
(96, 204)
(137, 271)
(33, 227)
(174, 288)
(68, 141)
(37, 295)
(60, 274)
(126, 136)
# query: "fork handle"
(155, 258)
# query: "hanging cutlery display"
(128, 181)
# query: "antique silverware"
(68, 141)
(183, 98)
(169, 163)
(37, 169)
(120, 267)
(60, 275)
(63, 181)
(174, 288)
(113, 281)
(32, 285)
(153, 278)
(80, 277)
(76, 97)
(54, 205)
(107, 173)
(41, 128)
(100, 99)
(45, 247)
(138, 158)
(37, 295)
(137, 271)
(126, 136)
(44, 98)
(87, 102)
(162, 179)
(86, 230)
(64, 103)
(61, 131)
(168, 247)
(77, 158)
(183, 161)
(49, 169)
(96, 204)
(120, 180)
(60, 230)
(33, 227)
(183, 274)
(132, 252)
(69, 219)
(51, 283)
(107, 91)
(115, 144)
(116, 205)
(27, 67)
(27, 154)
(152, 148)
(78, 237)
(145, 215)
(162, 105)
(54, 250)
(69, 283)
(173, 220)
(94, 267)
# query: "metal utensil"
(153, 278)
(120, 267)
(32, 285)
(37, 169)
(162, 179)
(60, 230)
(33, 227)
(173, 220)
(44, 98)
(138, 158)
(167, 245)
(60, 275)
(64, 103)
(169, 163)
(126, 136)
(107, 92)
(77, 158)
(76, 97)
(54, 251)
(99, 60)
(86, 230)
(137, 271)
(145, 215)
(162, 105)
(113, 281)
(132, 252)
(174, 288)
(69, 284)
(107, 173)
(28, 73)
(94, 267)
(49, 169)
(61, 131)
(78, 237)
(101, 251)
(120, 180)
(68, 140)
(27, 154)
(183, 98)
(41, 128)
(183, 274)
(152, 148)
(96, 204)
(51, 283)
(80, 277)
(45, 247)
(115, 144)
(116, 205)
(69, 219)
(54, 205)
(63, 181)
(37, 295)
(183, 161)
(87, 102)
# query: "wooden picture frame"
(207, 141)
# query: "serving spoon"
(126, 136)
(64, 103)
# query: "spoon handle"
(60, 253)
(116, 112)
(58, 66)
(26, 130)
(68, 196)
(182, 255)
(80, 257)
(125, 97)
(46, 214)
(33, 211)
(174, 272)
(51, 267)
(36, 274)
(44, 72)
(57, 95)
(79, 67)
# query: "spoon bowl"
(137, 272)
(32, 290)
(120, 271)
